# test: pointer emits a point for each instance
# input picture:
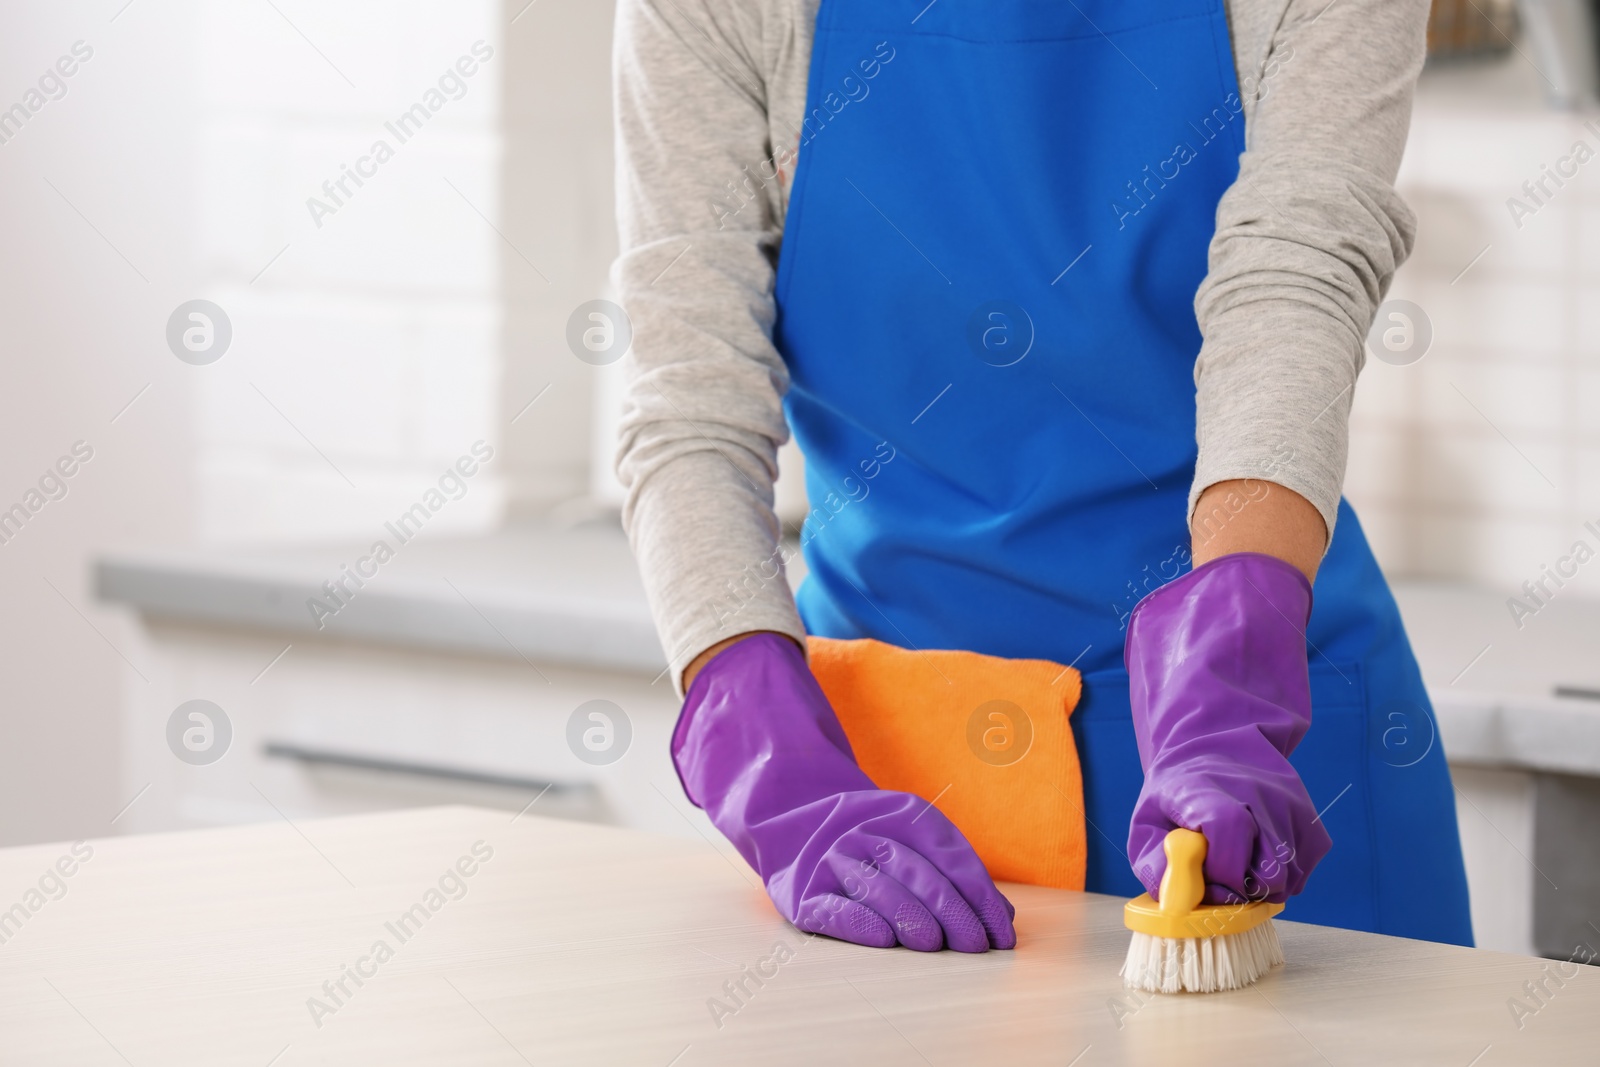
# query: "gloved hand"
(760, 749)
(1218, 681)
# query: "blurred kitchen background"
(161, 668)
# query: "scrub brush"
(1182, 945)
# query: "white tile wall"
(559, 212)
(377, 334)
(1445, 490)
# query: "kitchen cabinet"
(454, 676)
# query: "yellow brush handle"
(1183, 887)
(1180, 913)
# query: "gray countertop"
(571, 594)
(1506, 695)
(544, 592)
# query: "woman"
(1049, 293)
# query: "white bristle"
(1201, 965)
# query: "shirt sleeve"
(699, 227)
(1307, 241)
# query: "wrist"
(1253, 515)
(705, 657)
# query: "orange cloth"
(986, 739)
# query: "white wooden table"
(576, 944)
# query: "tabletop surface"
(479, 938)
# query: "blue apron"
(995, 235)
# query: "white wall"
(1482, 460)
(98, 191)
(366, 349)
(559, 215)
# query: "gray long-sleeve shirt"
(710, 95)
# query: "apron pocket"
(1108, 756)
(1333, 762)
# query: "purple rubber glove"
(1220, 693)
(760, 749)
